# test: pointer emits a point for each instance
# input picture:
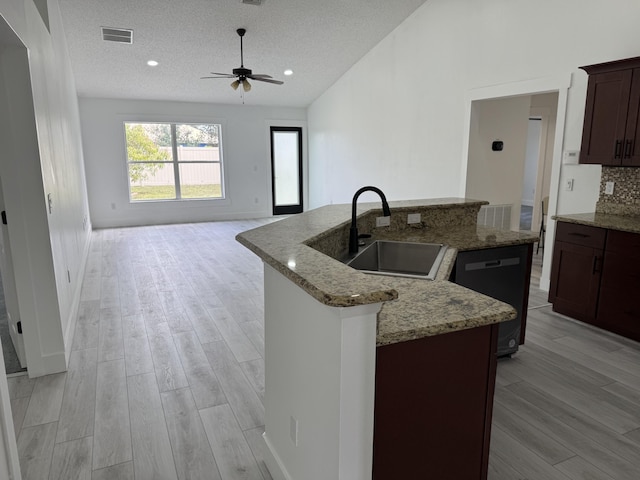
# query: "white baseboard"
(75, 305)
(276, 468)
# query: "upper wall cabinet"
(611, 122)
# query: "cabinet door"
(631, 151)
(575, 280)
(618, 307)
(605, 118)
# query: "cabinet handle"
(618, 150)
(627, 148)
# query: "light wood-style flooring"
(166, 377)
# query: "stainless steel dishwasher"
(500, 273)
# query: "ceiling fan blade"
(262, 75)
(268, 80)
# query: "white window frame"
(176, 162)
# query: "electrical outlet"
(413, 218)
(293, 430)
(383, 221)
(568, 184)
(608, 188)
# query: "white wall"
(498, 176)
(397, 118)
(245, 149)
(42, 156)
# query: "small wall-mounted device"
(497, 146)
(571, 157)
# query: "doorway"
(556, 86)
(10, 326)
(13, 57)
(286, 170)
(518, 175)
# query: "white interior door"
(9, 287)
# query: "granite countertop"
(625, 223)
(306, 249)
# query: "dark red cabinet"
(576, 270)
(433, 406)
(618, 308)
(595, 277)
(611, 121)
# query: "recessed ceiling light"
(152, 63)
(288, 71)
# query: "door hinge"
(19, 326)
(4, 217)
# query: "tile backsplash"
(626, 192)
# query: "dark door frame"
(286, 209)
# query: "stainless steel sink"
(402, 259)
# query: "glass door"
(286, 169)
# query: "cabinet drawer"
(624, 242)
(581, 235)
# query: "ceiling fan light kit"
(242, 74)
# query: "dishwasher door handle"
(497, 263)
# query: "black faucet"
(353, 231)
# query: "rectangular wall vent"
(495, 216)
(252, 2)
(120, 35)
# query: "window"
(169, 161)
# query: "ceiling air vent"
(252, 2)
(120, 35)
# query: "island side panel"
(319, 385)
(527, 288)
(433, 406)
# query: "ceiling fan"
(242, 75)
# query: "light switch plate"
(293, 430)
(383, 221)
(608, 188)
(413, 218)
(568, 184)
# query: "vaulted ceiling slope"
(318, 39)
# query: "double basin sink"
(401, 259)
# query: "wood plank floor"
(166, 377)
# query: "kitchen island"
(343, 348)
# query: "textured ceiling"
(319, 40)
